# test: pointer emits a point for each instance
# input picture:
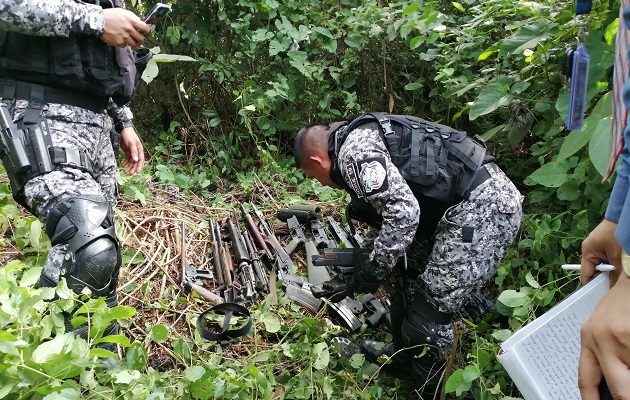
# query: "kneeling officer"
(443, 216)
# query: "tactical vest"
(78, 63)
(438, 163)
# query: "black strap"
(12, 89)
(225, 335)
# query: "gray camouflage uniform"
(448, 270)
(74, 128)
(71, 126)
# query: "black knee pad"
(84, 226)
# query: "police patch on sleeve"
(368, 176)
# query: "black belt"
(225, 335)
(11, 89)
(481, 176)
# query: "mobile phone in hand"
(158, 12)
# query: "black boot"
(374, 349)
(478, 306)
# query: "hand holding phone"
(158, 12)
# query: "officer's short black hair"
(307, 141)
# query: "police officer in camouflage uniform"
(436, 253)
(63, 64)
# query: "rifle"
(281, 259)
(225, 266)
(316, 275)
(262, 280)
(191, 274)
(253, 230)
(342, 262)
(244, 269)
(341, 234)
(215, 253)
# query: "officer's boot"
(478, 306)
(373, 350)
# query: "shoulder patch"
(372, 175)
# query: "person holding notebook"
(605, 337)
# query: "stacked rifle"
(250, 258)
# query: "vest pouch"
(141, 59)
(126, 63)
(66, 68)
(442, 188)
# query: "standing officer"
(445, 215)
(62, 65)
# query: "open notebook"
(542, 357)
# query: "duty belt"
(11, 89)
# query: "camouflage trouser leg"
(470, 241)
(73, 127)
(90, 133)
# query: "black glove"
(367, 277)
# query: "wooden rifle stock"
(255, 232)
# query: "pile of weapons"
(246, 267)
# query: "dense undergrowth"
(219, 130)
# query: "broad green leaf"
(58, 345)
(409, 9)
(102, 353)
(611, 31)
(501, 334)
(271, 322)
(357, 361)
(278, 46)
(127, 376)
(600, 145)
(512, 298)
(527, 37)
(150, 72)
(31, 276)
(322, 356)
(575, 140)
(416, 42)
(35, 232)
(519, 87)
(324, 31)
(262, 356)
(171, 58)
(458, 6)
(119, 339)
(352, 41)
(159, 333)
(553, 174)
(413, 86)
(456, 383)
(122, 312)
(531, 281)
(491, 97)
(485, 55)
(471, 372)
(568, 191)
(194, 373)
(489, 134)
(10, 347)
(65, 394)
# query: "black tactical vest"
(437, 162)
(79, 63)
